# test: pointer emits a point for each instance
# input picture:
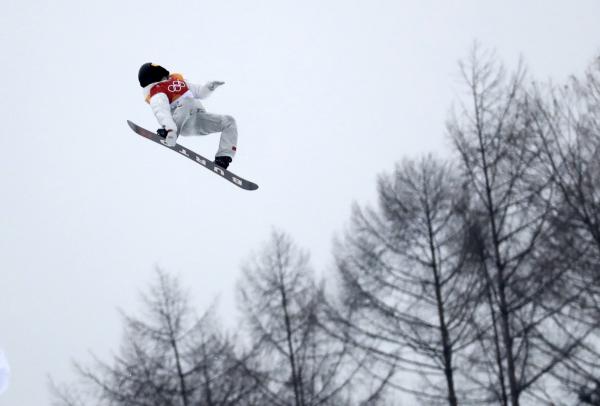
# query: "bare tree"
(501, 157)
(567, 122)
(404, 271)
(300, 364)
(169, 357)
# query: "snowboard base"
(199, 159)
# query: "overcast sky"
(327, 94)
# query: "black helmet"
(150, 73)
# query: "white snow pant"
(196, 121)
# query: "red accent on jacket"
(174, 88)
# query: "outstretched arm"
(203, 91)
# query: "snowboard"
(199, 159)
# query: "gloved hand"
(214, 84)
(223, 161)
(170, 136)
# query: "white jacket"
(173, 100)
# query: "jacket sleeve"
(199, 91)
(162, 110)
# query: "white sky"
(326, 94)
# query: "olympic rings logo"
(176, 86)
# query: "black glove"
(223, 161)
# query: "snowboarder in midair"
(177, 107)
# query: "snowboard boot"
(223, 161)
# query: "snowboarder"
(177, 107)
